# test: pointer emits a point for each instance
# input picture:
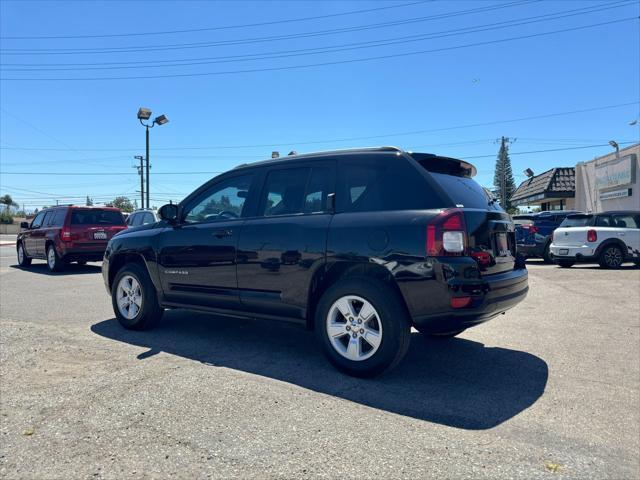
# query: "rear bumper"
(491, 296)
(92, 252)
(583, 253)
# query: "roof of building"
(557, 180)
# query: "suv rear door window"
(148, 218)
(57, 219)
(96, 217)
(284, 191)
(315, 198)
(47, 218)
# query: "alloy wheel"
(51, 258)
(613, 257)
(354, 328)
(129, 297)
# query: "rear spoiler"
(449, 166)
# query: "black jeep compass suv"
(358, 245)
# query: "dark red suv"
(68, 233)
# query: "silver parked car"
(142, 217)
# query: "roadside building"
(609, 182)
(554, 189)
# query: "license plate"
(564, 251)
(100, 235)
(502, 245)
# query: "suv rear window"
(464, 191)
(96, 217)
(576, 221)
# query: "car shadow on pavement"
(70, 269)
(456, 382)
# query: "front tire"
(134, 298)
(362, 326)
(566, 263)
(54, 262)
(611, 257)
(23, 260)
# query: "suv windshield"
(576, 221)
(96, 217)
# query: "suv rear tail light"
(65, 235)
(533, 229)
(460, 302)
(592, 236)
(446, 234)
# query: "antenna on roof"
(292, 152)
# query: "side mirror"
(24, 225)
(169, 213)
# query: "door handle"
(222, 233)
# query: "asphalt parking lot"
(549, 390)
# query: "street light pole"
(145, 114)
(147, 167)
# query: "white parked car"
(142, 217)
(607, 238)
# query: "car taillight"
(533, 229)
(592, 236)
(65, 235)
(446, 234)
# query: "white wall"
(588, 196)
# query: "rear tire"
(134, 298)
(546, 255)
(611, 257)
(23, 260)
(54, 262)
(566, 263)
(362, 326)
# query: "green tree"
(503, 180)
(8, 202)
(123, 203)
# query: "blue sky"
(87, 126)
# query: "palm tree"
(8, 202)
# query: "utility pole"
(141, 173)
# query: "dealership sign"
(615, 174)
(625, 192)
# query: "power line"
(350, 139)
(548, 150)
(272, 38)
(318, 50)
(209, 29)
(209, 173)
(322, 64)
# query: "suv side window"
(284, 192)
(57, 218)
(47, 219)
(147, 217)
(603, 221)
(625, 221)
(131, 219)
(37, 222)
(318, 187)
(223, 201)
(383, 182)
